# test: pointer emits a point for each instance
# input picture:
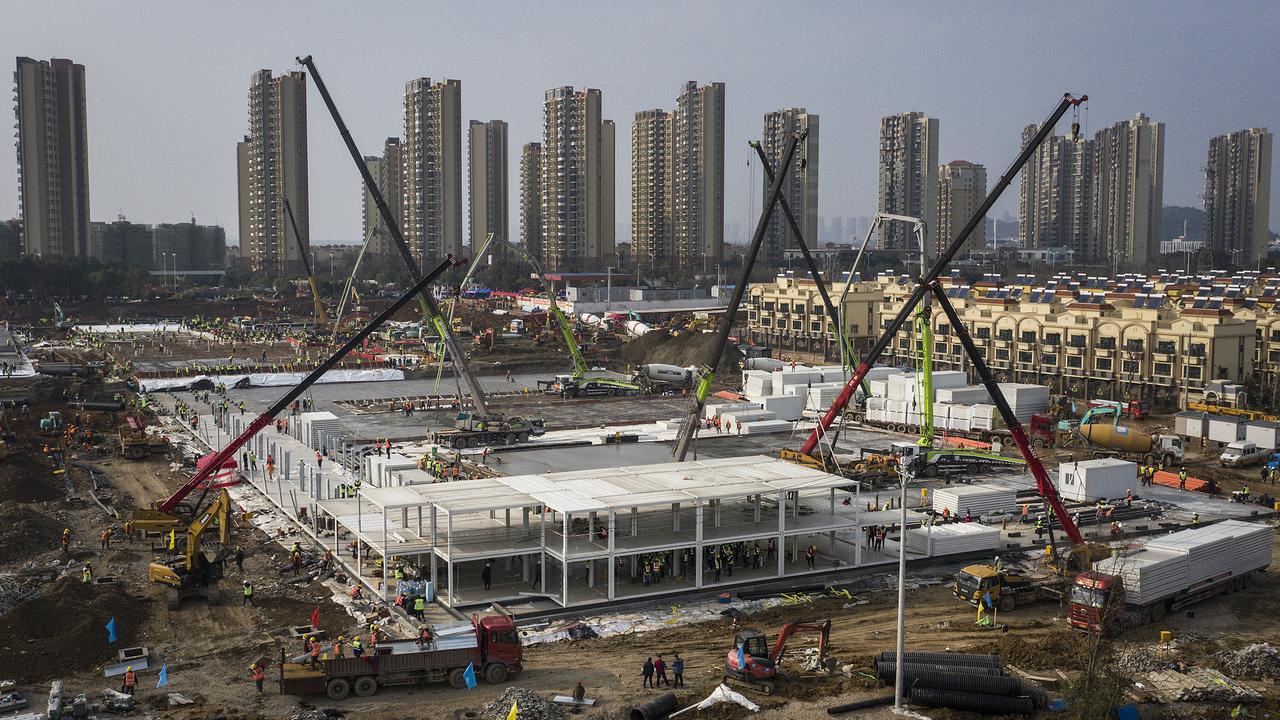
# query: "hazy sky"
(167, 82)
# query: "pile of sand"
(685, 350)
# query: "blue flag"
(470, 676)
(986, 599)
(163, 679)
(111, 631)
(742, 659)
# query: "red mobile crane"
(929, 284)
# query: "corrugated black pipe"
(655, 709)
(972, 702)
(943, 658)
(860, 705)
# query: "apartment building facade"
(962, 186)
(1128, 191)
(1237, 197)
(908, 180)
(272, 171)
(651, 231)
(531, 198)
(696, 177)
(577, 181)
(489, 205)
(431, 176)
(800, 187)
(53, 156)
(788, 314)
(386, 170)
(1055, 196)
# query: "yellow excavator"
(193, 574)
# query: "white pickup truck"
(1242, 454)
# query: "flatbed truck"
(491, 647)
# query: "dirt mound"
(23, 530)
(1059, 650)
(686, 349)
(63, 630)
(532, 706)
(25, 479)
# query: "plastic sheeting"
(273, 379)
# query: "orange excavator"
(751, 664)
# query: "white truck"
(1242, 454)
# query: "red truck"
(1137, 409)
(492, 648)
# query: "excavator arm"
(219, 511)
(823, 629)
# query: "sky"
(168, 83)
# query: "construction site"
(453, 505)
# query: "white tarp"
(275, 379)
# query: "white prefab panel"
(965, 395)
(784, 407)
(941, 411)
(1225, 431)
(876, 403)
(977, 500)
(882, 372)
(1094, 479)
(748, 416)
(964, 412)
(949, 379)
(878, 388)
(953, 539)
(1148, 574)
(718, 410)
(761, 427)
(1264, 434)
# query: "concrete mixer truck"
(1130, 444)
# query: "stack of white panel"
(1206, 556)
(900, 387)
(1250, 547)
(977, 500)
(784, 407)
(1148, 574)
(312, 424)
(803, 389)
(820, 397)
(761, 427)
(970, 395)
(831, 373)
(959, 418)
(983, 417)
(1025, 400)
(953, 539)
(799, 376)
(746, 416)
(882, 372)
(757, 383)
(878, 388)
(712, 411)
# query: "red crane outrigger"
(929, 284)
(216, 462)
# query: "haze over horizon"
(167, 96)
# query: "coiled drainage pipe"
(943, 658)
(972, 702)
(655, 709)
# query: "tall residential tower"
(908, 180)
(431, 176)
(531, 198)
(1128, 192)
(273, 169)
(53, 157)
(696, 177)
(577, 182)
(962, 186)
(1237, 197)
(800, 187)
(487, 178)
(650, 188)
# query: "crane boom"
(690, 425)
(306, 263)
(296, 391)
(430, 308)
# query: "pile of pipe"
(961, 681)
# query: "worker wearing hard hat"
(258, 676)
(130, 681)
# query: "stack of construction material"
(745, 416)
(1097, 478)
(1250, 546)
(821, 396)
(800, 376)
(970, 395)
(953, 539)
(984, 417)
(757, 383)
(977, 500)
(762, 427)
(313, 425)
(1148, 574)
(961, 681)
(784, 407)
(712, 411)
(1206, 556)
(1025, 400)
(959, 417)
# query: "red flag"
(315, 617)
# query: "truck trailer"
(491, 647)
(1144, 582)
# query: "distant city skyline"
(165, 98)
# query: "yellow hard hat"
(253, 666)
(129, 669)
(342, 637)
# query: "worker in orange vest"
(130, 681)
(258, 676)
(315, 652)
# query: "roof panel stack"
(1025, 400)
(977, 500)
(953, 539)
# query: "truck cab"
(1242, 454)
(499, 643)
(1168, 449)
(1097, 603)
(1007, 590)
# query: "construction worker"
(315, 652)
(1244, 492)
(130, 681)
(258, 676)
(87, 575)
(419, 606)
(999, 565)
(173, 541)
(356, 648)
(128, 531)
(1195, 519)
(1182, 478)
(66, 540)
(248, 594)
(424, 636)
(339, 647)
(104, 539)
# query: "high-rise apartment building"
(385, 170)
(962, 186)
(487, 178)
(1055, 196)
(800, 187)
(577, 181)
(1128, 191)
(53, 156)
(908, 180)
(696, 177)
(651, 245)
(1237, 197)
(531, 198)
(431, 180)
(272, 170)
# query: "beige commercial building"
(577, 182)
(272, 170)
(651, 240)
(489, 204)
(696, 177)
(531, 198)
(53, 156)
(1128, 191)
(1237, 197)
(431, 179)
(908, 180)
(788, 315)
(962, 186)
(800, 187)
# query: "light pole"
(330, 265)
(608, 289)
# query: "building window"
(1130, 367)
(853, 330)
(984, 333)
(766, 322)
(1005, 335)
(1166, 346)
(1103, 364)
(1196, 350)
(1077, 341)
(1048, 360)
(768, 306)
(1024, 357)
(1134, 345)
(797, 325)
(815, 327)
(940, 348)
(1274, 356)
(1107, 343)
(1028, 336)
(1075, 361)
(944, 329)
(1053, 339)
(1192, 373)
(1002, 354)
(1164, 369)
(799, 309)
(818, 310)
(784, 307)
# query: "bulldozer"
(869, 465)
(752, 665)
(192, 574)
